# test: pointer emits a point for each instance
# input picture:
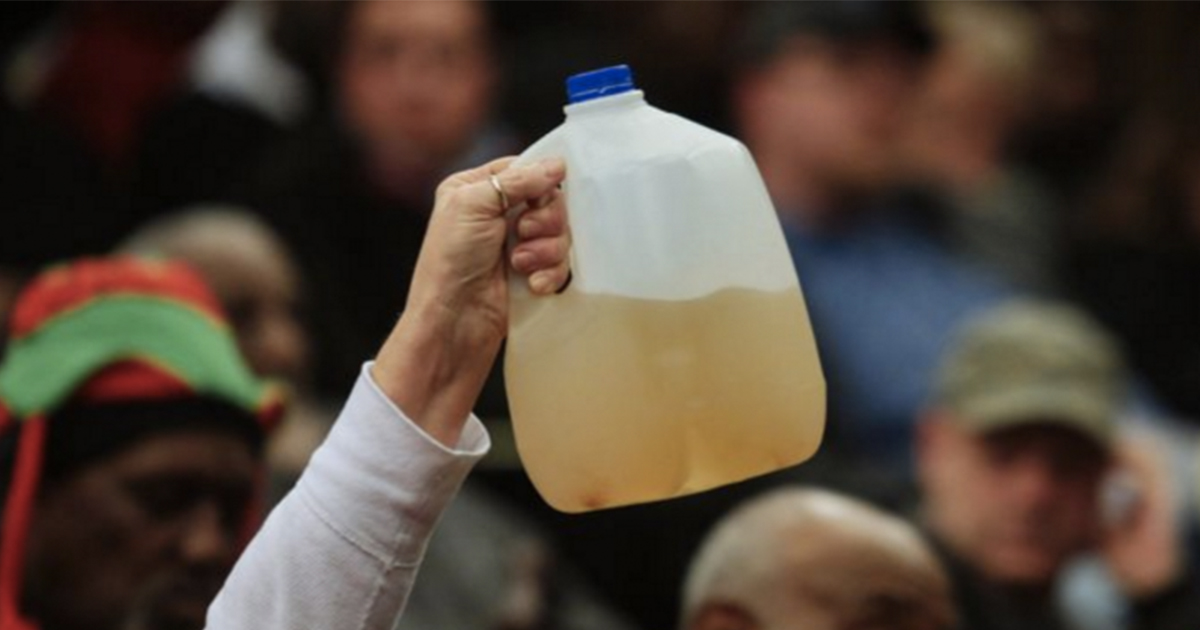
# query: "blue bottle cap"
(599, 83)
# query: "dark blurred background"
(1055, 145)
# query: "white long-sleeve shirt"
(342, 549)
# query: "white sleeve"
(342, 549)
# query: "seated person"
(812, 559)
(131, 435)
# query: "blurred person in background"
(822, 100)
(405, 97)
(1022, 472)
(131, 437)
(811, 559)
(250, 271)
(258, 284)
(958, 142)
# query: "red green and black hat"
(101, 333)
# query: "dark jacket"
(985, 605)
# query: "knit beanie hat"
(129, 343)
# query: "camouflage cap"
(1033, 362)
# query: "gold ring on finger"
(499, 191)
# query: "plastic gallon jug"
(680, 357)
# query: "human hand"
(461, 268)
(1142, 546)
(435, 361)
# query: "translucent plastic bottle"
(680, 358)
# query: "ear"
(722, 616)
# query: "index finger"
(521, 184)
(477, 174)
(527, 183)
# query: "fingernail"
(527, 228)
(541, 283)
(554, 167)
(522, 261)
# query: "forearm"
(342, 549)
(437, 358)
(431, 372)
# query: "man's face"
(837, 108)
(1016, 503)
(259, 288)
(415, 80)
(143, 539)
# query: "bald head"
(804, 558)
(250, 270)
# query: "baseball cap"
(1033, 362)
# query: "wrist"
(433, 368)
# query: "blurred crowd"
(993, 209)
